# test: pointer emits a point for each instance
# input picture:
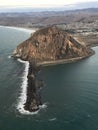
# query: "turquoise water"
(70, 92)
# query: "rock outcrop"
(47, 45)
(50, 44)
(33, 100)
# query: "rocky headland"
(47, 46)
(50, 44)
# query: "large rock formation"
(46, 45)
(50, 44)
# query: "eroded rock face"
(50, 43)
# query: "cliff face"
(50, 44)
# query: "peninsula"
(47, 46)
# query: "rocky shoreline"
(48, 46)
(64, 61)
(33, 101)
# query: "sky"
(40, 3)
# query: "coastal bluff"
(47, 46)
(50, 44)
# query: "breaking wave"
(23, 93)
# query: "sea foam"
(9, 57)
(23, 92)
(52, 119)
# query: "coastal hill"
(50, 44)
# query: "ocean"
(70, 93)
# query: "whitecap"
(9, 56)
(52, 119)
(43, 106)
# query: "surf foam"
(23, 94)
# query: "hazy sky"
(39, 3)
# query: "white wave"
(21, 29)
(9, 57)
(22, 98)
(22, 61)
(43, 106)
(23, 94)
(52, 119)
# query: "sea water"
(70, 91)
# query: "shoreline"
(64, 61)
(33, 96)
(22, 97)
(29, 102)
(33, 103)
(28, 92)
(33, 100)
(21, 29)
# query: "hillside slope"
(50, 44)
